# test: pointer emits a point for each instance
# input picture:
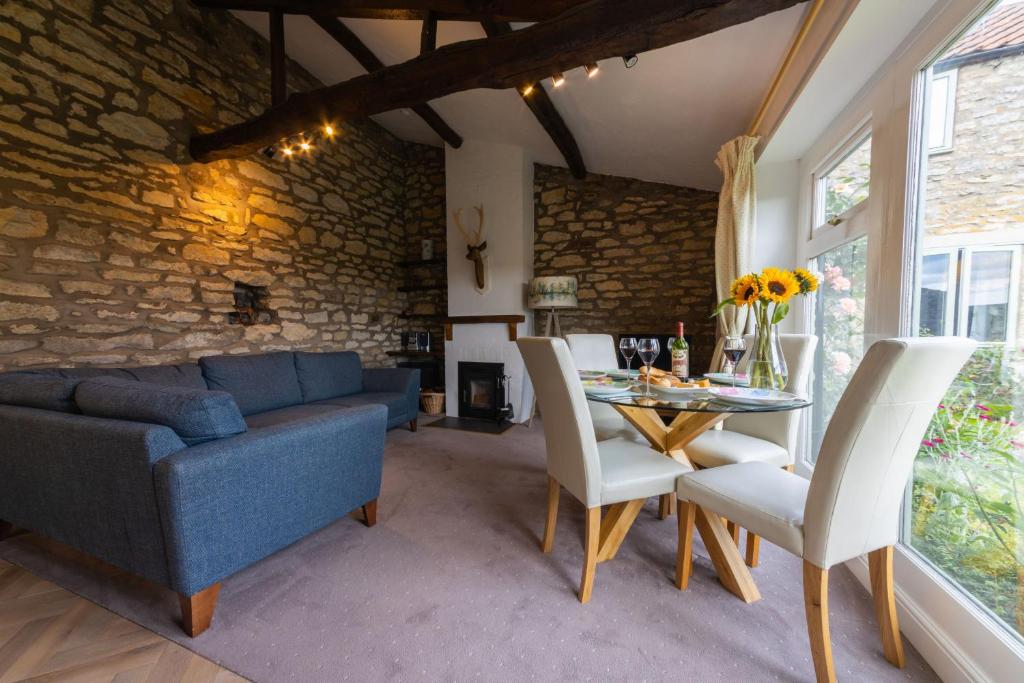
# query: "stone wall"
(643, 254)
(425, 219)
(116, 248)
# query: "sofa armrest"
(400, 380)
(228, 503)
(87, 482)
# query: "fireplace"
(483, 391)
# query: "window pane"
(940, 110)
(839, 324)
(934, 294)
(965, 511)
(846, 185)
(988, 300)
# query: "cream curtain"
(737, 219)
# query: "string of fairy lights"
(306, 143)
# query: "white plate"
(592, 374)
(604, 388)
(726, 378)
(752, 397)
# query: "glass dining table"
(670, 422)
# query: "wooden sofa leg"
(412, 425)
(6, 529)
(197, 610)
(370, 513)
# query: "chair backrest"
(593, 351)
(568, 430)
(868, 450)
(782, 428)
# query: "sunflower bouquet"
(767, 295)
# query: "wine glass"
(733, 349)
(648, 350)
(627, 346)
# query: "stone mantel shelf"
(510, 320)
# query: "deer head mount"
(475, 246)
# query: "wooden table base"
(671, 441)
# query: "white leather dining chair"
(616, 472)
(762, 437)
(598, 352)
(851, 504)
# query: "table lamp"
(552, 293)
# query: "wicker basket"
(432, 402)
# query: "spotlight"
(269, 152)
(591, 70)
(557, 79)
(329, 130)
(305, 146)
(526, 89)
(288, 151)
(630, 60)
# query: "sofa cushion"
(259, 382)
(196, 415)
(46, 391)
(395, 402)
(184, 375)
(326, 375)
(281, 416)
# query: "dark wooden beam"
(596, 30)
(428, 35)
(537, 99)
(448, 10)
(369, 61)
(278, 69)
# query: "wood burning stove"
(483, 391)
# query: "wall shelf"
(510, 320)
(415, 354)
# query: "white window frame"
(955, 635)
(952, 255)
(947, 134)
(822, 223)
(965, 278)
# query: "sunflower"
(808, 280)
(746, 290)
(778, 285)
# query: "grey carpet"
(450, 585)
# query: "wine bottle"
(680, 354)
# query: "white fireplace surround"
(487, 343)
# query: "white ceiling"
(663, 120)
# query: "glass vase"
(767, 368)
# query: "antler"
(470, 240)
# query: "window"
(941, 111)
(964, 514)
(970, 291)
(844, 185)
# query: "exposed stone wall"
(643, 254)
(116, 248)
(425, 219)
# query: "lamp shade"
(553, 292)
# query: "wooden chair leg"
(370, 513)
(816, 606)
(591, 543)
(554, 490)
(734, 531)
(412, 425)
(753, 549)
(665, 503)
(197, 610)
(880, 569)
(686, 511)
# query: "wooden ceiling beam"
(538, 101)
(369, 61)
(428, 34)
(595, 30)
(448, 10)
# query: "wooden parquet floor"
(49, 634)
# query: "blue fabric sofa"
(186, 474)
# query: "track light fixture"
(557, 79)
(591, 70)
(526, 89)
(630, 60)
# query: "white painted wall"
(500, 177)
(778, 201)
